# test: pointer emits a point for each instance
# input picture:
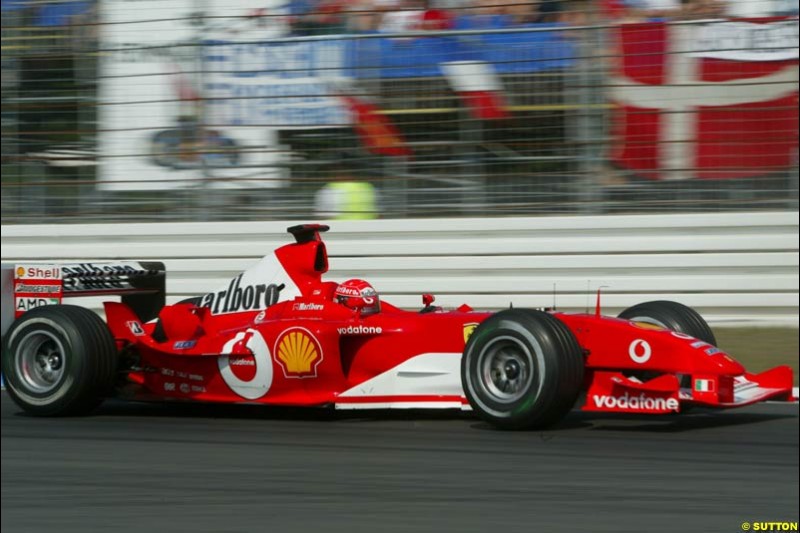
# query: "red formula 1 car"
(277, 334)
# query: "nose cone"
(713, 360)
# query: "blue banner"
(288, 83)
(385, 57)
(533, 51)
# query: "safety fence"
(144, 110)
(737, 267)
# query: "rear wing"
(142, 285)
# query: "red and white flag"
(718, 100)
(478, 86)
(377, 133)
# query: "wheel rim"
(40, 361)
(506, 369)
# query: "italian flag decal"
(704, 385)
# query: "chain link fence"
(192, 112)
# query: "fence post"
(589, 131)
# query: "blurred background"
(193, 110)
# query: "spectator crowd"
(323, 17)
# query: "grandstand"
(207, 110)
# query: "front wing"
(612, 391)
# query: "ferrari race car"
(278, 334)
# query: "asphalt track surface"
(149, 468)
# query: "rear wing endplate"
(142, 285)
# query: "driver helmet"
(358, 295)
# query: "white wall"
(732, 267)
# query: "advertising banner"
(747, 41)
(282, 83)
(157, 130)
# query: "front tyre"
(59, 360)
(671, 315)
(522, 369)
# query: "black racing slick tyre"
(671, 315)
(59, 360)
(522, 369)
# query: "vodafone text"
(360, 330)
(642, 402)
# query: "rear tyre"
(59, 360)
(522, 369)
(672, 316)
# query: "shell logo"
(20, 272)
(298, 353)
